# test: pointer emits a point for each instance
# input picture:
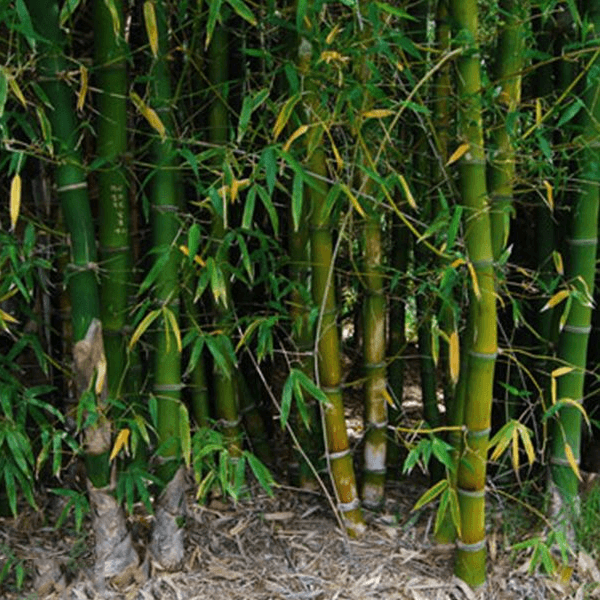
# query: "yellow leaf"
(457, 263)
(538, 111)
(284, 115)
(83, 88)
(572, 461)
(141, 328)
(501, 440)
(15, 200)
(172, 320)
(5, 317)
(299, 132)
(409, 197)
(454, 356)
(388, 398)
(573, 404)
(330, 56)
(331, 35)
(556, 299)
(378, 113)
(16, 90)
(150, 115)
(151, 28)
(100, 374)
(515, 450)
(121, 442)
(562, 371)
(458, 153)
(558, 262)
(338, 159)
(553, 390)
(526, 439)
(549, 194)
(476, 289)
(197, 259)
(354, 200)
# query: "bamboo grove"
(208, 206)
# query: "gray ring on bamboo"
(113, 250)
(332, 390)
(319, 228)
(381, 425)
(89, 266)
(167, 208)
(375, 471)
(198, 388)
(348, 506)
(471, 547)
(575, 329)
(379, 365)
(246, 409)
(72, 186)
(487, 262)
(471, 493)
(498, 197)
(168, 387)
(563, 462)
(483, 355)
(340, 454)
(231, 424)
(474, 161)
(583, 242)
(479, 433)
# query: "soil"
(285, 548)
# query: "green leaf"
(67, 10)
(270, 207)
(3, 91)
(262, 474)
(286, 399)
(245, 114)
(185, 438)
(570, 112)
(243, 11)
(297, 198)
(193, 241)
(270, 164)
(431, 494)
(214, 14)
(249, 205)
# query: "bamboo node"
(345, 507)
(583, 242)
(483, 355)
(168, 387)
(476, 547)
(72, 186)
(478, 433)
(381, 425)
(563, 462)
(331, 390)
(340, 454)
(230, 424)
(585, 330)
(471, 493)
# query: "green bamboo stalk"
(113, 230)
(165, 229)
(471, 551)
(73, 194)
(580, 271)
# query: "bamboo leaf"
(245, 114)
(46, 130)
(501, 440)
(150, 115)
(143, 326)
(476, 289)
(214, 15)
(243, 11)
(83, 87)
(172, 319)
(563, 318)
(538, 111)
(297, 200)
(16, 90)
(299, 132)
(558, 262)
(570, 112)
(556, 299)
(549, 194)
(562, 371)
(574, 404)
(454, 356)
(114, 15)
(455, 510)
(262, 474)
(353, 200)
(458, 153)
(378, 113)
(431, 494)
(409, 197)
(151, 27)
(3, 90)
(185, 437)
(572, 461)
(247, 334)
(15, 200)
(284, 115)
(527, 443)
(515, 450)
(121, 442)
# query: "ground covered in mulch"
(288, 547)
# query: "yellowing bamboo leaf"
(151, 27)
(150, 115)
(501, 440)
(6, 318)
(388, 398)
(299, 132)
(378, 113)
(197, 259)
(549, 194)
(553, 392)
(284, 115)
(249, 330)
(538, 111)
(457, 263)
(329, 56)
(100, 374)
(458, 153)
(15, 200)
(331, 35)
(556, 299)
(235, 186)
(83, 88)
(562, 371)
(454, 356)
(476, 289)
(558, 262)
(527, 444)
(141, 328)
(338, 159)
(114, 15)
(172, 319)
(435, 345)
(121, 442)
(16, 90)
(572, 462)
(353, 200)
(431, 494)
(515, 450)
(565, 315)
(574, 404)
(409, 197)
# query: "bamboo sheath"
(482, 347)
